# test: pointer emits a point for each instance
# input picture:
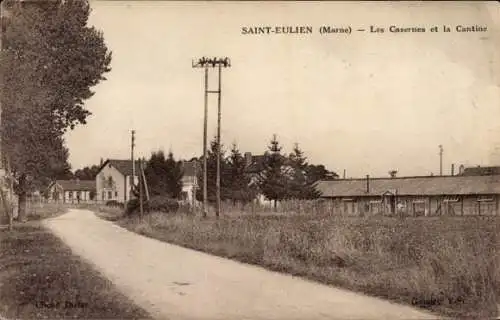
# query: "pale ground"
(176, 283)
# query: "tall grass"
(42, 210)
(288, 207)
(447, 264)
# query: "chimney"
(344, 174)
(452, 169)
(248, 158)
(367, 184)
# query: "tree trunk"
(21, 216)
(22, 187)
(276, 205)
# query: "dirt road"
(176, 283)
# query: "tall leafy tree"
(164, 175)
(174, 174)
(50, 62)
(319, 172)
(273, 179)
(238, 181)
(87, 173)
(156, 174)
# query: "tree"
(238, 181)
(314, 174)
(156, 174)
(297, 158)
(300, 186)
(174, 174)
(87, 173)
(319, 172)
(164, 175)
(50, 62)
(273, 181)
(393, 173)
(212, 174)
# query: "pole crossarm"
(206, 62)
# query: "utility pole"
(4, 169)
(141, 206)
(143, 175)
(2, 162)
(440, 160)
(205, 119)
(217, 184)
(132, 147)
(206, 63)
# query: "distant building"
(480, 171)
(190, 181)
(413, 196)
(71, 191)
(114, 180)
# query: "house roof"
(123, 166)
(256, 165)
(77, 185)
(436, 185)
(481, 171)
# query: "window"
(348, 206)
(116, 194)
(110, 195)
(486, 205)
(376, 206)
(110, 182)
(418, 208)
(184, 195)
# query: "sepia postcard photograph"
(220, 160)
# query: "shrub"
(155, 204)
(132, 207)
(162, 204)
(113, 203)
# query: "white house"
(114, 180)
(189, 181)
(71, 191)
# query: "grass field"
(449, 265)
(41, 279)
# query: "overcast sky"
(362, 102)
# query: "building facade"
(71, 191)
(413, 196)
(114, 180)
(190, 181)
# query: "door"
(389, 204)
